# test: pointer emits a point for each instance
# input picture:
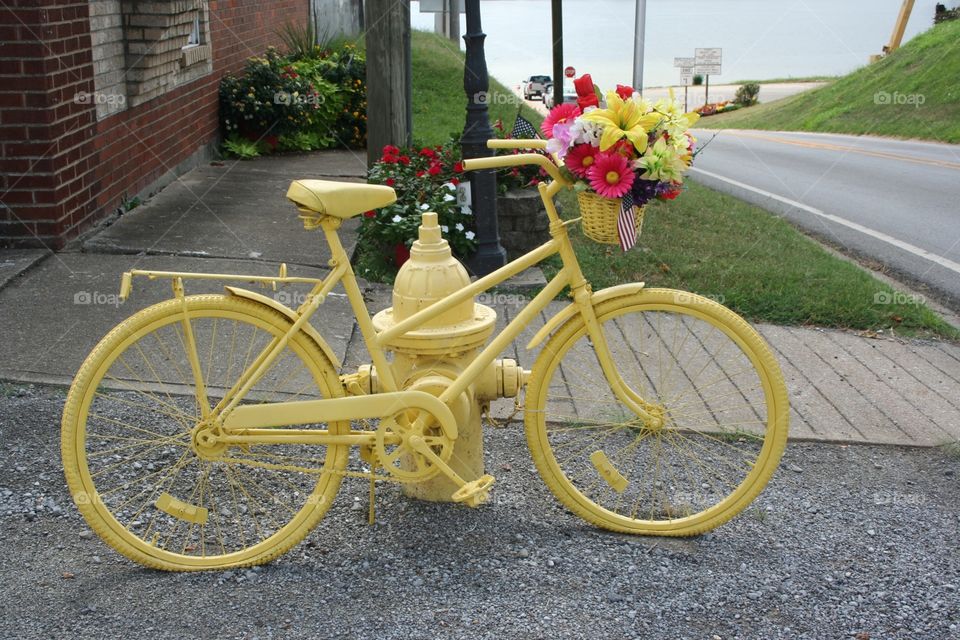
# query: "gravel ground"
(846, 542)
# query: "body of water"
(761, 39)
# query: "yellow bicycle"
(213, 431)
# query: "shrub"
(425, 179)
(271, 98)
(241, 147)
(747, 95)
(697, 80)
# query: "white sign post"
(707, 61)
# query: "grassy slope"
(928, 65)
(439, 102)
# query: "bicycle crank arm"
(380, 405)
(473, 493)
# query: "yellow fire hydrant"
(430, 357)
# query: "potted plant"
(621, 151)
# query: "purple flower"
(645, 190)
(562, 139)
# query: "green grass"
(927, 68)
(439, 102)
(753, 262)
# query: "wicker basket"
(600, 217)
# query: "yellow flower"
(622, 119)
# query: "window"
(193, 40)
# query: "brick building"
(102, 100)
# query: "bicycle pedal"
(475, 492)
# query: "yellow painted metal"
(339, 199)
(427, 398)
(517, 143)
(608, 472)
(279, 414)
(181, 510)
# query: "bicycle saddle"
(339, 199)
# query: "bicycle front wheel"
(132, 459)
(704, 370)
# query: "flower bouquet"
(620, 155)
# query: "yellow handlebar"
(497, 143)
(500, 162)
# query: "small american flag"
(523, 129)
(626, 229)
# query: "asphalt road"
(893, 202)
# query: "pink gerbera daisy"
(579, 159)
(560, 114)
(610, 175)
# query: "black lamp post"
(490, 255)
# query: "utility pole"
(389, 104)
(640, 30)
(556, 13)
(490, 255)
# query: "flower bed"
(714, 108)
(425, 179)
(313, 101)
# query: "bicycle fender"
(292, 315)
(571, 309)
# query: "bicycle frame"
(255, 424)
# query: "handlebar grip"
(497, 143)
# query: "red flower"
(391, 182)
(427, 152)
(389, 159)
(586, 97)
(670, 195)
(579, 159)
(370, 213)
(435, 169)
(624, 91)
(421, 173)
(610, 175)
(391, 150)
(560, 114)
(458, 167)
(404, 160)
(454, 181)
(624, 147)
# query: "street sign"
(707, 61)
(684, 62)
(685, 80)
(438, 6)
(686, 71)
(569, 72)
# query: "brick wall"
(62, 168)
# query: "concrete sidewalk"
(232, 217)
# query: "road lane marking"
(836, 147)
(878, 235)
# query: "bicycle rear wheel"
(130, 454)
(704, 369)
